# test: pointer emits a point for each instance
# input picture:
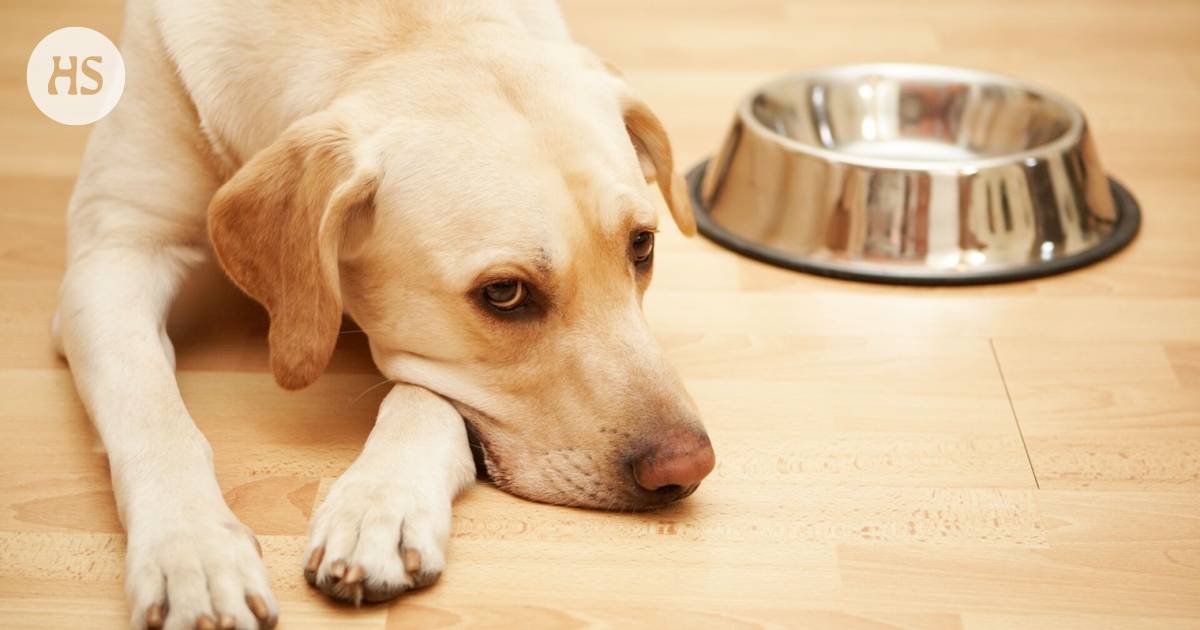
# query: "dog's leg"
(137, 223)
(383, 528)
(190, 562)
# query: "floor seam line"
(1013, 410)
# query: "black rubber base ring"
(1129, 219)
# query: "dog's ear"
(277, 227)
(658, 163)
(649, 140)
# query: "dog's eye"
(505, 295)
(643, 247)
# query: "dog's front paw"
(374, 538)
(203, 574)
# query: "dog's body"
(458, 177)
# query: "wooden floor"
(1018, 456)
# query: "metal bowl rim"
(1071, 137)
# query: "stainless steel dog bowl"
(912, 174)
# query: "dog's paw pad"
(371, 542)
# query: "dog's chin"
(635, 501)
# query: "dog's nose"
(681, 463)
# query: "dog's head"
(494, 238)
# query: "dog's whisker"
(368, 390)
(359, 331)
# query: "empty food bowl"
(911, 174)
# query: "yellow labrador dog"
(460, 178)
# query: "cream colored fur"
(379, 159)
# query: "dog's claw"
(351, 582)
(154, 617)
(338, 569)
(412, 562)
(353, 576)
(258, 606)
(227, 622)
(314, 563)
(204, 622)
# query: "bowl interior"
(898, 114)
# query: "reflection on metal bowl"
(912, 174)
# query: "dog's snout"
(679, 463)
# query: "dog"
(459, 178)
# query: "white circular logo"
(75, 75)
